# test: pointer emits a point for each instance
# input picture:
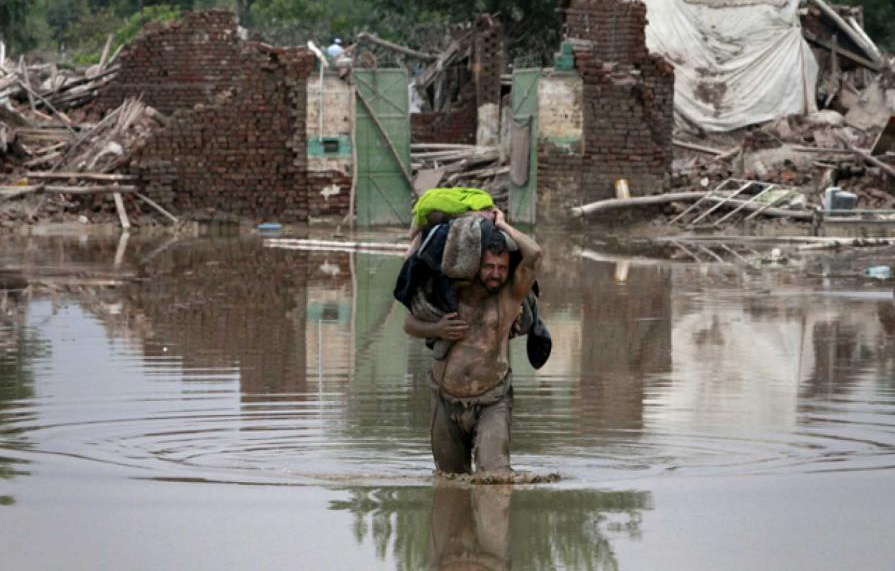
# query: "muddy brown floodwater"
(214, 404)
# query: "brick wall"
(559, 180)
(329, 193)
(175, 65)
(615, 27)
(489, 59)
(628, 99)
(245, 154)
(455, 126)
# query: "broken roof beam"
(365, 37)
(869, 48)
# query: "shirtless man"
(472, 396)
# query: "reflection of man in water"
(472, 392)
(470, 529)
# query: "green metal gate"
(523, 197)
(382, 133)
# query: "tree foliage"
(14, 29)
(533, 26)
(879, 20)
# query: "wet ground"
(216, 404)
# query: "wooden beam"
(97, 189)
(122, 213)
(616, 203)
(845, 27)
(81, 176)
(365, 37)
(847, 54)
(155, 205)
(889, 169)
(65, 120)
(699, 148)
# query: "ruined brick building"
(235, 140)
(253, 132)
(626, 111)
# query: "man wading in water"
(472, 392)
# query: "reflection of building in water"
(762, 341)
(328, 330)
(611, 328)
(493, 527)
(626, 336)
(228, 303)
(561, 297)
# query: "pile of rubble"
(809, 153)
(449, 164)
(849, 144)
(55, 160)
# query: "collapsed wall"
(473, 116)
(177, 64)
(627, 109)
(237, 149)
(456, 125)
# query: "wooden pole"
(60, 116)
(155, 205)
(96, 189)
(873, 160)
(122, 213)
(352, 197)
(699, 148)
(365, 37)
(81, 176)
(616, 203)
(849, 31)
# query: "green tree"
(14, 29)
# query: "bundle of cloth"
(451, 228)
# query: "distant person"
(335, 49)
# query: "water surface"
(216, 404)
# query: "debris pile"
(75, 168)
(848, 145)
(54, 160)
(48, 90)
(243, 156)
(180, 63)
(447, 164)
(810, 153)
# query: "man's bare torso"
(479, 361)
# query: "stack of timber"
(45, 88)
(456, 165)
(55, 166)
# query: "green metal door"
(523, 197)
(384, 193)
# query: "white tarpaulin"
(736, 62)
